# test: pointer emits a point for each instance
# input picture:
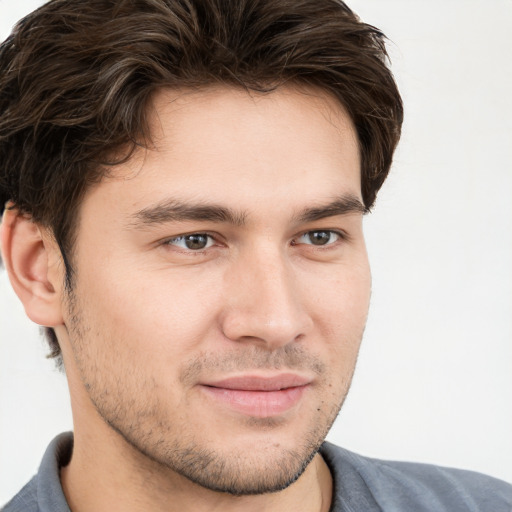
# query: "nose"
(264, 304)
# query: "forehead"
(220, 121)
(230, 146)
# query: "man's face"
(222, 287)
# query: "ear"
(32, 261)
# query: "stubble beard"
(141, 419)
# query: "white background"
(434, 379)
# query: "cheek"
(340, 314)
(161, 311)
(344, 298)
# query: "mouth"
(257, 396)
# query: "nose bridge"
(264, 301)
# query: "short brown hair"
(76, 79)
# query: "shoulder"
(25, 500)
(44, 492)
(401, 486)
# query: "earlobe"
(29, 258)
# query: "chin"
(247, 474)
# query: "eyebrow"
(343, 205)
(172, 210)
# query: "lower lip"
(261, 404)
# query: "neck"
(105, 473)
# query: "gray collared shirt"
(361, 484)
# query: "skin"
(152, 323)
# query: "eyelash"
(340, 236)
(184, 237)
(212, 239)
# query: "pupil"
(196, 241)
(319, 237)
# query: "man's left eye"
(318, 238)
(192, 242)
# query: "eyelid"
(168, 241)
(340, 234)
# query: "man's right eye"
(192, 242)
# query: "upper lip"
(260, 383)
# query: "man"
(184, 186)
